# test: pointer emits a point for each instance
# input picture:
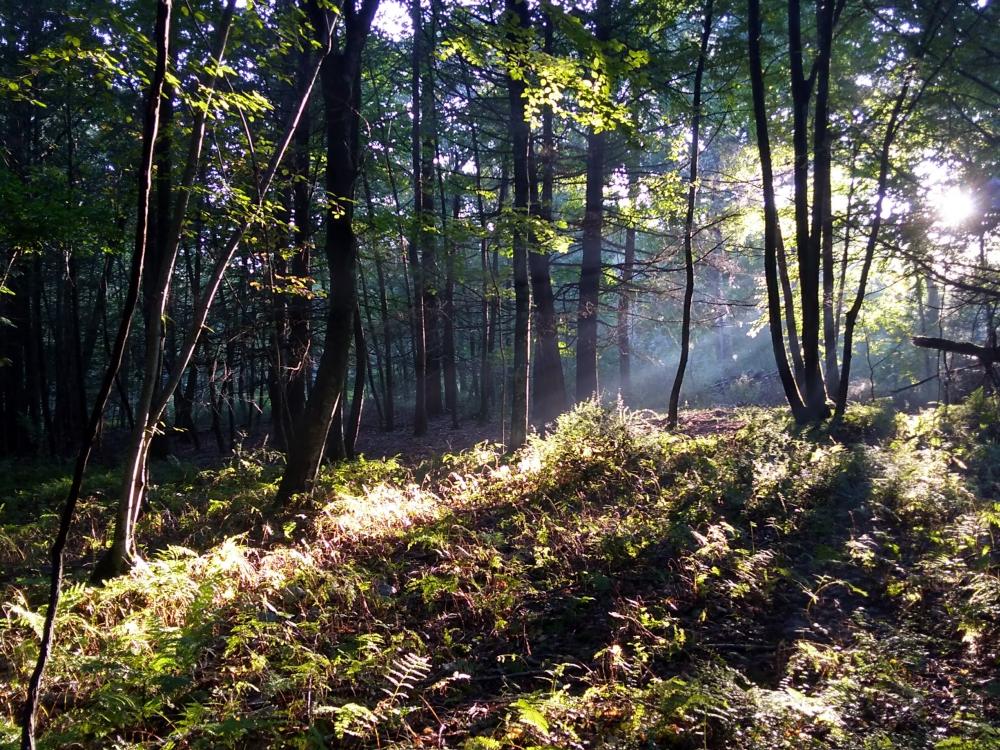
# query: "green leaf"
(528, 713)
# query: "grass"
(611, 585)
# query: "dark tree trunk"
(341, 80)
(624, 300)
(549, 386)
(448, 313)
(851, 317)
(675, 390)
(519, 136)
(353, 427)
(590, 269)
(419, 313)
(170, 218)
(588, 311)
(299, 306)
(808, 250)
(791, 322)
(389, 399)
(771, 228)
(161, 38)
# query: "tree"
(548, 384)
(341, 79)
(771, 226)
(520, 25)
(156, 287)
(675, 390)
(593, 230)
(151, 124)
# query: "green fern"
(406, 671)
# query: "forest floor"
(737, 584)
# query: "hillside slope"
(610, 586)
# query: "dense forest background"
(563, 164)
(306, 230)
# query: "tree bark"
(590, 264)
(675, 390)
(519, 136)
(806, 242)
(161, 36)
(549, 386)
(341, 84)
(122, 553)
(418, 311)
(771, 227)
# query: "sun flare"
(954, 205)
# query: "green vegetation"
(611, 585)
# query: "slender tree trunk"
(353, 427)
(448, 313)
(770, 211)
(624, 300)
(588, 312)
(808, 251)
(488, 307)
(300, 306)
(419, 313)
(590, 270)
(383, 353)
(675, 390)
(161, 36)
(122, 552)
(549, 386)
(851, 318)
(433, 317)
(900, 109)
(832, 372)
(791, 323)
(519, 136)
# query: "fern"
(351, 719)
(356, 720)
(406, 671)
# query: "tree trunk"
(791, 323)
(807, 243)
(156, 284)
(353, 426)
(593, 228)
(448, 313)
(590, 270)
(299, 306)
(419, 313)
(675, 390)
(936, 17)
(771, 228)
(341, 80)
(519, 136)
(150, 126)
(549, 386)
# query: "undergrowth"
(611, 585)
